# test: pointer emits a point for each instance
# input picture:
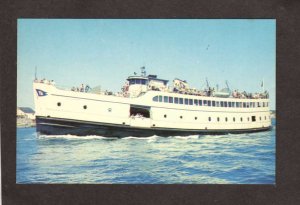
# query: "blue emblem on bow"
(41, 93)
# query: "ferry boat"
(147, 106)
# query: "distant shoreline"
(25, 122)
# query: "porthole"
(58, 104)
(109, 109)
(165, 116)
(153, 125)
(196, 118)
(209, 119)
(84, 107)
(180, 117)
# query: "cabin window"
(244, 104)
(195, 102)
(226, 119)
(131, 81)
(222, 104)
(144, 81)
(237, 104)
(186, 101)
(260, 118)
(218, 119)
(265, 117)
(58, 104)
(248, 104)
(225, 104)
(170, 99)
(84, 107)
(253, 104)
(160, 98)
(176, 100)
(229, 104)
(267, 104)
(204, 102)
(200, 102)
(209, 103)
(232, 104)
(253, 118)
(241, 119)
(138, 81)
(180, 117)
(180, 100)
(155, 98)
(196, 118)
(233, 119)
(190, 101)
(217, 104)
(258, 104)
(165, 116)
(166, 99)
(248, 118)
(209, 119)
(213, 103)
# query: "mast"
(227, 85)
(143, 71)
(207, 84)
(35, 73)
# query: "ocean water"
(206, 159)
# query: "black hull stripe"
(56, 126)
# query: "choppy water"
(208, 159)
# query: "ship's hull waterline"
(57, 126)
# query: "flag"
(41, 93)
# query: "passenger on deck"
(82, 88)
(87, 88)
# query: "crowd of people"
(81, 88)
(44, 80)
(237, 94)
(182, 89)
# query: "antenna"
(143, 71)
(207, 84)
(35, 73)
(227, 84)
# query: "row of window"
(213, 103)
(253, 118)
(137, 81)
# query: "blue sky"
(105, 51)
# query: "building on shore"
(25, 112)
